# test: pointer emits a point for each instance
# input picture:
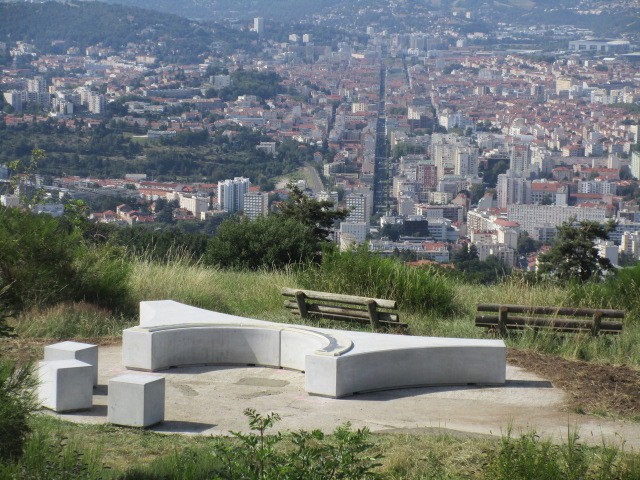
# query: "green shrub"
(266, 242)
(17, 403)
(102, 278)
(259, 456)
(360, 272)
(36, 258)
(621, 290)
(44, 260)
(313, 456)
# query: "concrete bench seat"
(65, 385)
(269, 345)
(336, 363)
(136, 400)
(85, 352)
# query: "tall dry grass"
(70, 320)
(251, 294)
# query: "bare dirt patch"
(593, 388)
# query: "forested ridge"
(53, 27)
(107, 152)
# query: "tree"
(24, 177)
(477, 192)
(490, 177)
(467, 262)
(318, 215)
(465, 253)
(391, 230)
(573, 255)
(526, 244)
(627, 260)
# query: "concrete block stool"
(85, 352)
(136, 400)
(65, 385)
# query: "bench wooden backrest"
(306, 305)
(547, 317)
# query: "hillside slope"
(53, 27)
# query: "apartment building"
(513, 188)
(256, 204)
(531, 217)
(231, 194)
(358, 205)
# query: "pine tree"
(574, 255)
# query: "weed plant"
(50, 456)
(259, 455)
(54, 452)
(530, 457)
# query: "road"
(314, 182)
(381, 171)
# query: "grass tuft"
(71, 320)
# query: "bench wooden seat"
(333, 306)
(559, 319)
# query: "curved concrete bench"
(269, 345)
(336, 363)
(404, 368)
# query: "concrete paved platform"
(210, 400)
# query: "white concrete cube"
(136, 400)
(65, 385)
(85, 352)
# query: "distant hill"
(53, 27)
(621, 17)
(281, 10)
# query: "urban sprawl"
(430, 140)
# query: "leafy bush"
(266, 242)
(44, 260)
(258, 456)
(36, 258)
(17, 403)
(151, 242)
(314, 456)
(102, 278)
(621, 290)
(361, 272)
(471, 270)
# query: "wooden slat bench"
(558, 319)
(333, 306)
